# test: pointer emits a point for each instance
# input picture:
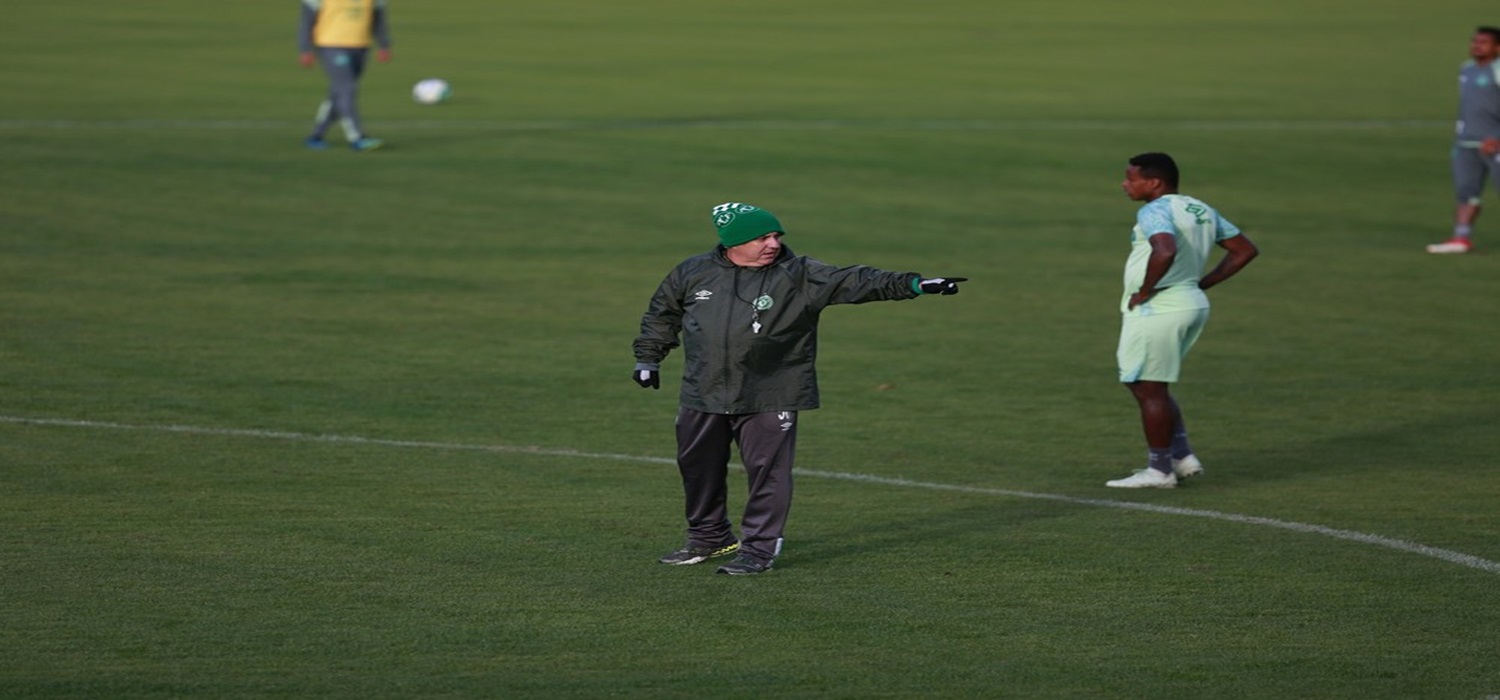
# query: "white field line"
(1447, 555)
(1081, 125)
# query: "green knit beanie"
(739, 223)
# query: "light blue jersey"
(1197, 228)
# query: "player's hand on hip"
(941, 285)
(647, 378)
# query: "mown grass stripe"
(1448, 555)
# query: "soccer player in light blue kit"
(1476, 141)
(1165, 309)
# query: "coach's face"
(757, 252)
(1483, 47)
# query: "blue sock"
(1180, 445)
(1160, 459)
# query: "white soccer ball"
(430, 91)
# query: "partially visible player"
(1165, 309)
(338, 34)
(1476, 144)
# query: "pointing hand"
(941, 285)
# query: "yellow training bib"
(344, 23)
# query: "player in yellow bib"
(338, 34)
(1164, 306)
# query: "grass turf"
(173, 258)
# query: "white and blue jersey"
(1196, 227)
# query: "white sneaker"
(1145, 479)
(1187, 466)
(1450, 247)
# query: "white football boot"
(1187, 466)
(1145, 479)
(1452, 246)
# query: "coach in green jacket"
(747, 314)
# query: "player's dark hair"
(1159, 166)
(1494, 32)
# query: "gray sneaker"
(693, 554)
(743, 565)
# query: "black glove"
(941, 285)
(646, 376)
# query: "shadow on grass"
(982, 528)
(1442, 444)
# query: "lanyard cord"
(755, 311)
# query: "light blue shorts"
(1153, 347)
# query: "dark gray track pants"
(768, 443)
(344, 67)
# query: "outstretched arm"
(858, 284)
(1241, 250)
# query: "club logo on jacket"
(702, 295)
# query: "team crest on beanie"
(738, 222)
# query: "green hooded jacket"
(750, 335)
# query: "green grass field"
(281, 423)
